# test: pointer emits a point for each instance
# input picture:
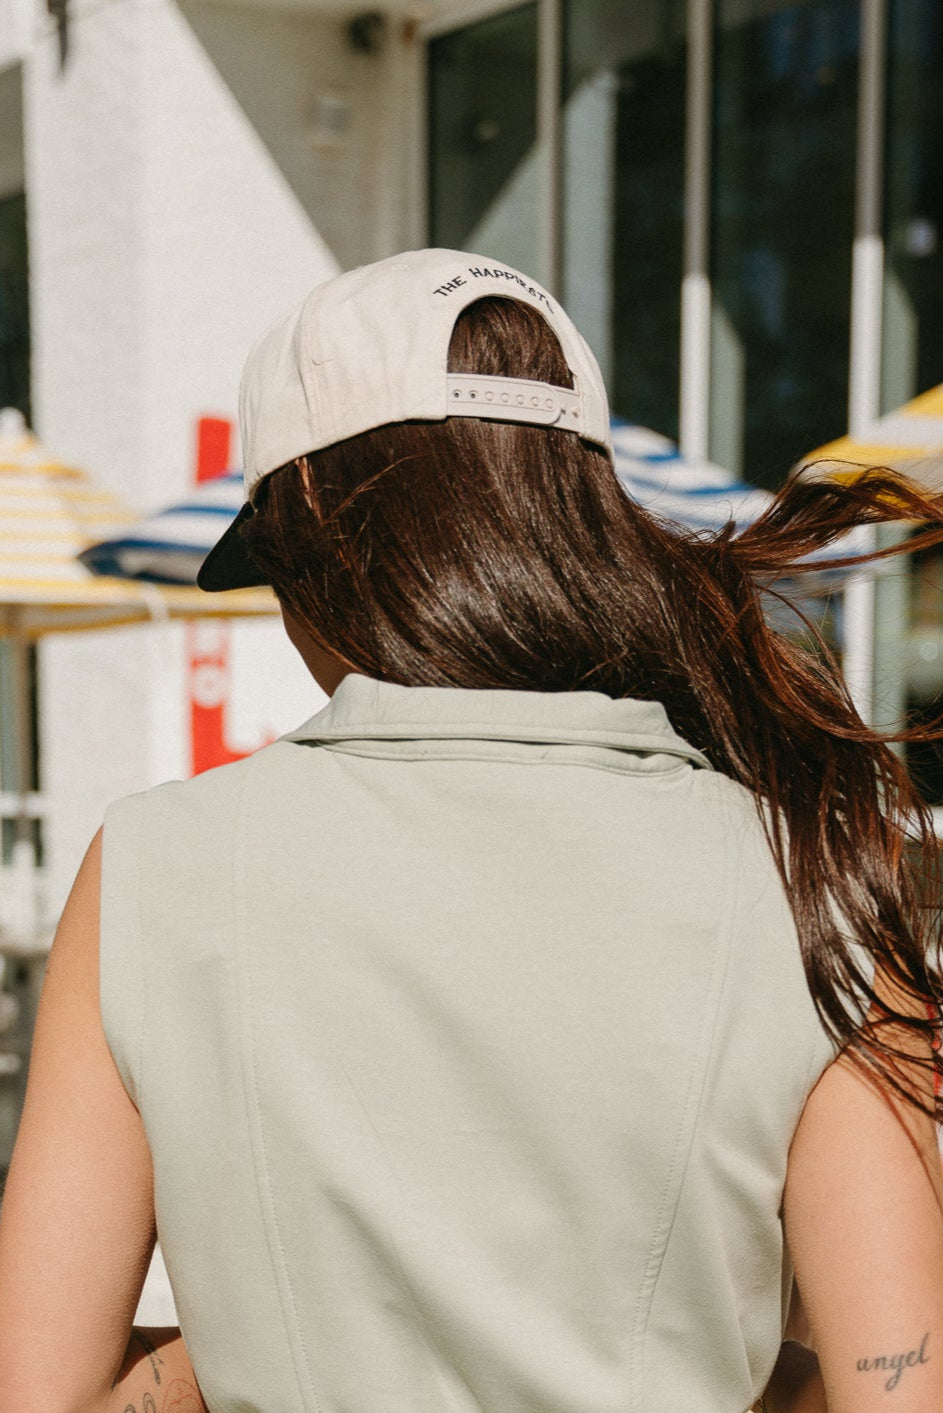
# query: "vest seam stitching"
(269, 1217)
(655, 1262)
(142, 970)
(630, 742)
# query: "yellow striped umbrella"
(909, 439)
(49, 512)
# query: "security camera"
(366, 32)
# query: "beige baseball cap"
(371, 347)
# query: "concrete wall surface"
(334, 119)
(164, 237)
(191, 171)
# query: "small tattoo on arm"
(148, 1406)
(895, 1364)
(150, 1349)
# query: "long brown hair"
(482, 554)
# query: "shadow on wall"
(316, 95)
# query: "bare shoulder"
(76, 939)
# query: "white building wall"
(324, 110)
(228, 246)
(84, 154)
(164, 236)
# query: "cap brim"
(228, 564)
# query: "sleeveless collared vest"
(469, 1032)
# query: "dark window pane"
(623, 177)
(912, 352)
(482, 86)
(786, 88)
(12, 830)
(924, 675)
(913, 295)
(14, 306)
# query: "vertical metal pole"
(402, 218)
(695, 282)
(549, 99)
(867, 293)
(417, 175)
(867, 275)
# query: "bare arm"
(77, 1228)
(156, 1376)
(864, 1221)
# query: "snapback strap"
(513, 400)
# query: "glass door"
(622, 217)
(912, 345)
(483, 154)
(785, 103)
(913, 261)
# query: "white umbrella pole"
(694, 432)
(867, 294)
(858, 655)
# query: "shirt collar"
(363, 709)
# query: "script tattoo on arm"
(150, 1350)
(895, 1364)
(156, 1376)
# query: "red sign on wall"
(209, 643)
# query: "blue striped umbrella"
(169, 546)
(705, 497)
(697, 495)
